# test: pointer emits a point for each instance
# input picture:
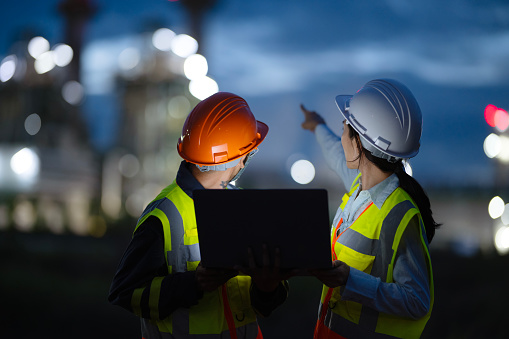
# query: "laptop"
(294, 220)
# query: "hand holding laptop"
(210, 279)
(268, 276)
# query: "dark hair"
(408, 183)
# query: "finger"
(277, 259)
(251, 259)
(336, 263)
(266, 256)
(304, 109)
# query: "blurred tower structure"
(196, 10)
(155, 98)
(49, 173)
(76, 13)
(159, 83)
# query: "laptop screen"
(294, 220)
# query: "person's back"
(160, 278)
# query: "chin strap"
(248, 159)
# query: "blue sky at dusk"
(277, 54)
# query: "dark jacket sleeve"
(142, 275)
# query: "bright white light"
(8, 68)
(408, 168)
(505, 216)
(496, 207)
(195, 66)
(303, 172)
(184, 45)
(44, 62)
(502, 240)
(33, 124)
(161, 39)
(129, 165)
(492, 145)
(25, 164)
(129, 58)
(62, 55)
(73, 92)
(503, 155)
(38, 46)
(203, 87)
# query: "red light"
(489, 114)
(501, 119)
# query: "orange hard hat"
(220, 129)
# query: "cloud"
(465, 61)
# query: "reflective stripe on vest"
(370, 245)
(151, 331)
(175, 209)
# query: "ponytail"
(414, 189)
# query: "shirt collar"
(381, 191)
(185, 179)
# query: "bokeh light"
(503, 154)
(62, 55)
(203, 87)
(38, 46)
(134, 204)
(179, 107)
(161, 39)
(302, 171)
(496, 207)
(195, 66)
(129, 165)
(492, 145)
(496, 117)
(33, 124)
(489, 114)
(184, 45)
(52, 214)
(25, 163)
(129, 58)
(501, 120)
(73, 92)
(44, 62)
(505, 216)
(8, 68)
(502, 240)
(24, 215)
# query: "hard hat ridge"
(224, 108)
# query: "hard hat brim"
(263, 129)
(342, 103)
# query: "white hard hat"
(387, 117)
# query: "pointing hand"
(311, 119)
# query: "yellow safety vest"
(370, 245)
(175, 210)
